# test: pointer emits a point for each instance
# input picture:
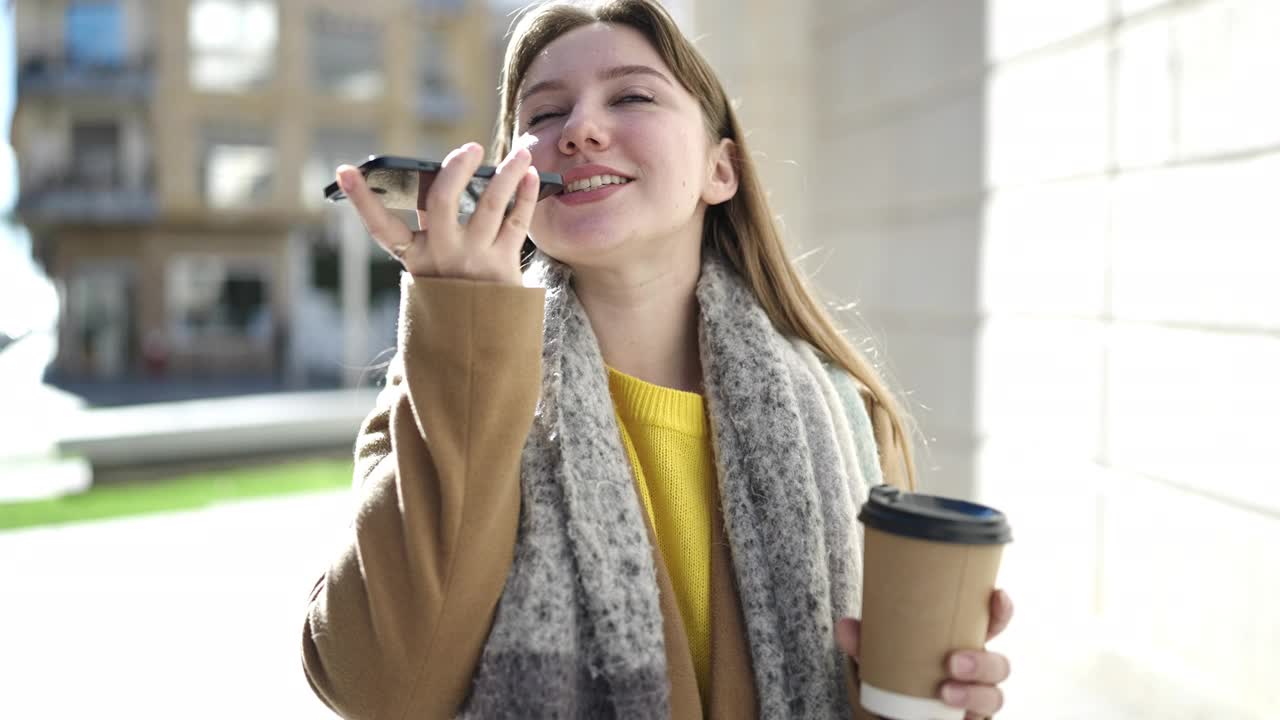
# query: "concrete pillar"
(296, 272)
(354, 281)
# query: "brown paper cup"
(922, 598)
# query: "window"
(346, 56)
(94, 33)
(329, 149)
(438, 98)
(435, 71)
(212, 297)
(238, 168)
(233, 43)
(100, 297)
(95, 155)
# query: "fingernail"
(963, 665)
(523, 153)
(953, 695)
(515, 155)
(344, 179)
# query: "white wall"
(1133, 325)
(1058, 219)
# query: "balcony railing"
(57, 202)
(49, 75)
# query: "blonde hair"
(742, 229)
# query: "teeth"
(595, 181)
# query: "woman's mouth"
(592, 189)
(595, 182)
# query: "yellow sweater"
(666, 437)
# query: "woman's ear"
(722, 180)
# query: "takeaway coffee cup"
(929, 570)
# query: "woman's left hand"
(973, 675)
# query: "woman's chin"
(582, 246)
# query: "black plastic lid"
(934, 518)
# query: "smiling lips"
(590, 183)
(594, 182)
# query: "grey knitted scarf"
(578, 630)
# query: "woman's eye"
(634, 98)
(629, 98)
(540, 117)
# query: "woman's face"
(604, 107)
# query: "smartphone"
(402, 183)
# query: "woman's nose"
(584, 130)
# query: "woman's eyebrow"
(610, 73)
(624, 70)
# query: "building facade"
(173, 155)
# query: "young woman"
(624, 483)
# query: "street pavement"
(184, 615)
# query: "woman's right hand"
(485, 248)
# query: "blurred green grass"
(183, 492)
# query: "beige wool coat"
(395, 626)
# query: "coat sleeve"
(395, 626)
